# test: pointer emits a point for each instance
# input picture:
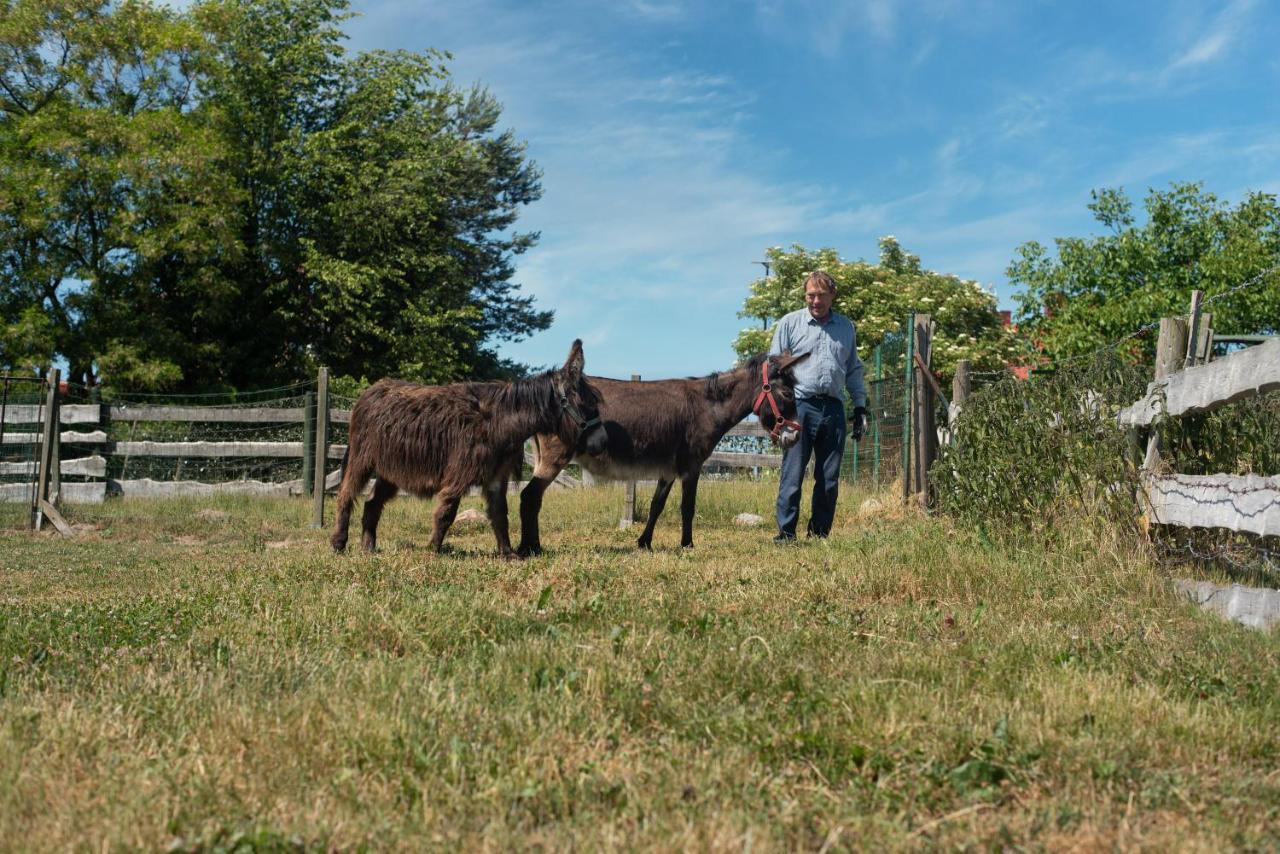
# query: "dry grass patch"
(174, 677)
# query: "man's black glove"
(859, 425)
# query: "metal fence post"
(906, 407)
(854, 478)
(629, 504)
(875, 466)
(321, 447)
(309, 443)
(926, 434)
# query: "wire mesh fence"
(210, 438)
(22, 402)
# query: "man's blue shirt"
(833, 362)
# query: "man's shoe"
(784, 539)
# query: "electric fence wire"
(1155, 324)
(235, 398)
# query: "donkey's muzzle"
(788, 437)
(595, 440)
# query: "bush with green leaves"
(1024, 452)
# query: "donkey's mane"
(538, 392)
(717, 390)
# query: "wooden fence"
(87, 428)
(1188, 384)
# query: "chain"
(1250, 283)
(1228, 554)
(1199, 480)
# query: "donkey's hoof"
(529, 551)
(646, 545)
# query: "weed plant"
(206, 675)
(1027, 454)
(1240, 438)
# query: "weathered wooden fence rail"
(101, 449)
(1249, 503)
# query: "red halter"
(766, 393)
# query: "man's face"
(818, 299)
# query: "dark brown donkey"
(440, 440)
(667, 429)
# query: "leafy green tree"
(27, 344)
(1099, 289)
(878, 298)
(105, 176)
(224, 198)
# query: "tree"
(878, 298)
(27, 344)
(376, 203)
(1099, 289)
(104, 174)
(224, 198)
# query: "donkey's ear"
(573, 365)
(787, 361)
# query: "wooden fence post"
(629, 503)
(1171, 348)
(55, 457)
(926, 435)
(961, 384)
(1193, 333)
(48, 438)
(321, 447)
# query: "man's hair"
(821, 278)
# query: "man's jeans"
(822, 436)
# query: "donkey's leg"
(551, 461)
(383, 491)
(655, 510)
(530, 507)
(354, 478)
(688, 502)
(495, 505)
(446, 509)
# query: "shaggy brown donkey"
(667, 428)
(440, 440)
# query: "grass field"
(204, 675)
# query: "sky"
(680, 139)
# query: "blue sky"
(681, 138)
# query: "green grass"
(220, 681)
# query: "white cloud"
(1212, 43)
(669, 11)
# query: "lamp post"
(764, 321)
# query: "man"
(833, 365)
